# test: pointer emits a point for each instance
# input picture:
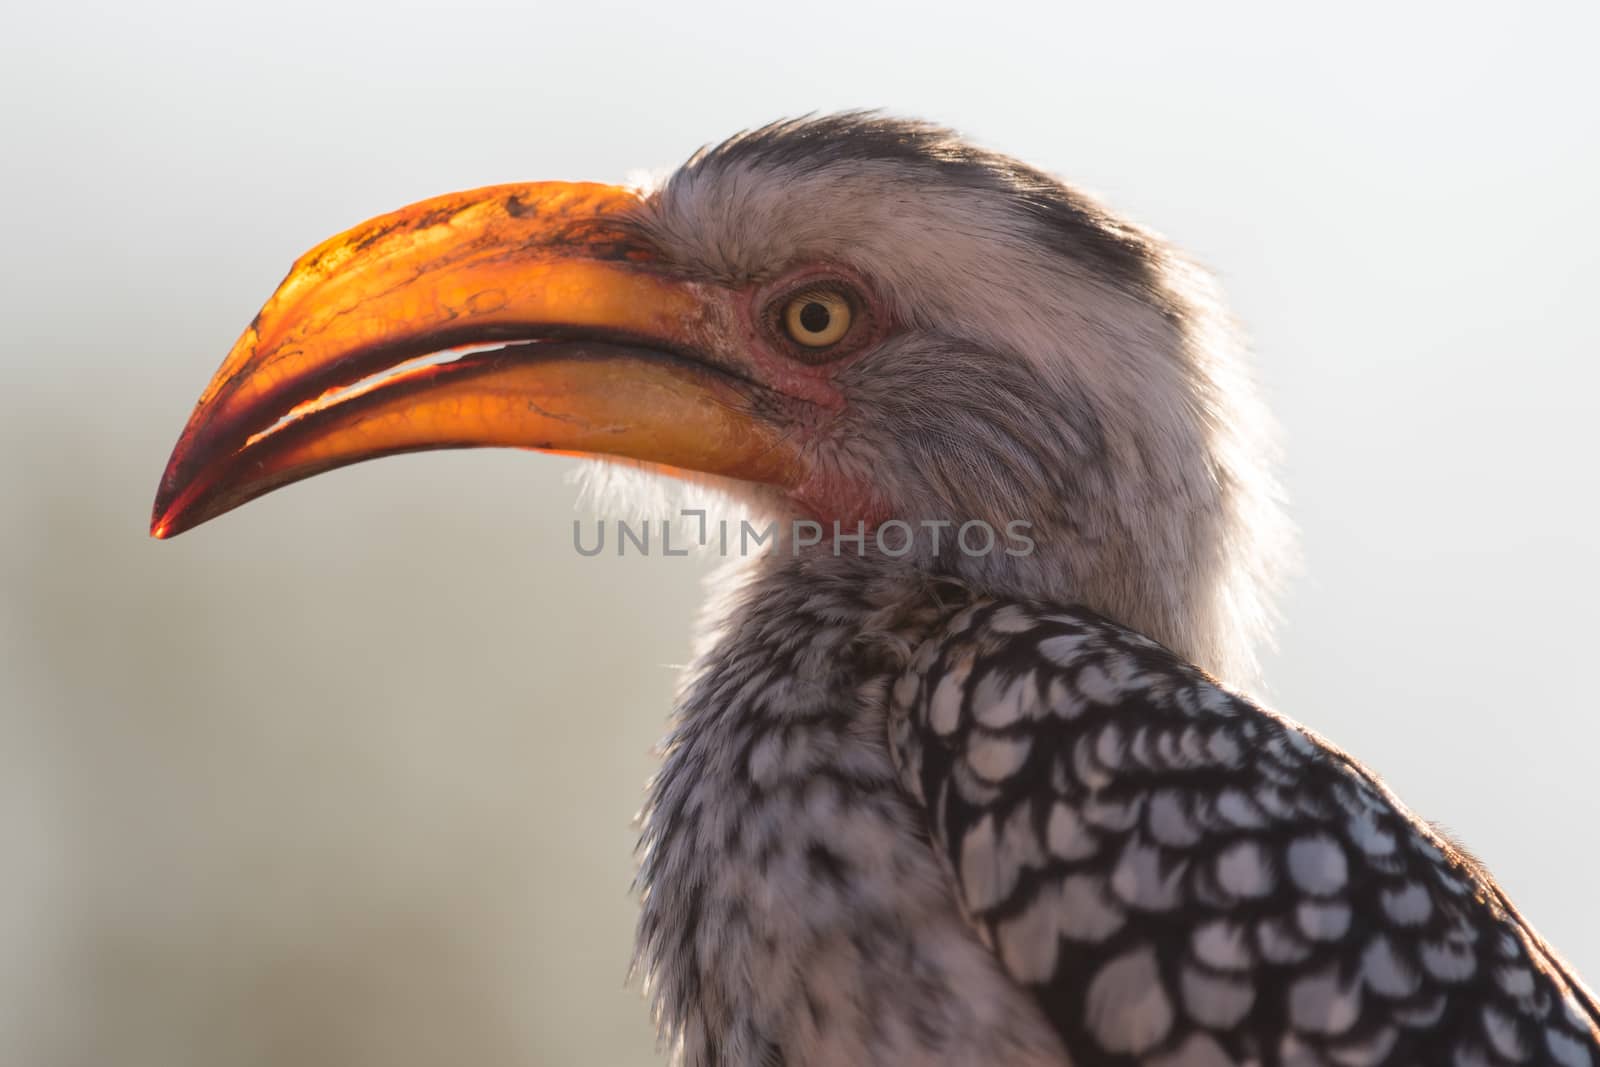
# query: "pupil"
(815, 317)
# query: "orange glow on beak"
(574, 341)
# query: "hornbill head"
(849, 319)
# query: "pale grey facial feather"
(1060, 366)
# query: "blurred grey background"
(346, 777)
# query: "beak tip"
(161, 522)
(166, 519)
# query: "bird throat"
(778, 842)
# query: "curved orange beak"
(524, 316)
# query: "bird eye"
(817, 319)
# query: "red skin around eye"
(775, 362)
(827, 496)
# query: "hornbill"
(920, 804)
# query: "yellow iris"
(817, 319)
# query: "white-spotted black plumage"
(904, 823)
(1179, 876)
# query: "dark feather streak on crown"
(1065, 221)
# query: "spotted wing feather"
(1183, 878)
